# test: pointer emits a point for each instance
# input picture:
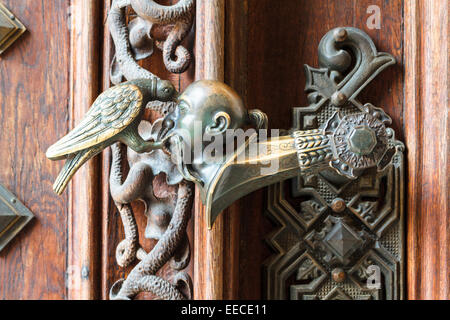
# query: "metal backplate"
(10, 28)
(339, 238)
(13, 216)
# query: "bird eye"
(166, 90)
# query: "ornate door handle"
(335, 137)
(353, 138)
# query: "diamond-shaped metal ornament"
(10, 28)
(13, 216)
(343, 240)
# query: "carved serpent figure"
(135, 41)
(173, 243)
(166, 26)
(127, 249)
(142, 277)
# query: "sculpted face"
(205, 109)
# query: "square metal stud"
(10, 28)
(13, 216)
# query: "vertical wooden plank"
(209, 40)
(34, 85)
(209, 61)
(235, 62)
(110, 219)
(426, 135)
(84, 217)
(112, 229)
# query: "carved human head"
(205, 108)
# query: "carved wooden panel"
(155, 220)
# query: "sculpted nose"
(168, 124)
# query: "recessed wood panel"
(34, 91)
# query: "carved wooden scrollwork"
(340, 233)
(162, 27)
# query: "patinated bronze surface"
(163, 27)
(342, 157)
(348, 142)
(348, 232)
(114, 116)
(10, 28)
(167, 216)
(341, 229)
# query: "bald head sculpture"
(207, 108)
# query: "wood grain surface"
(34, 109)
(84, 206)
(427, 136)
(209, 60)
(236, 62)
(111, 225)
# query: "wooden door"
(53, 73)
(35, 109)
(266, 44)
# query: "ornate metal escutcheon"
(341, 229)
(341, 226)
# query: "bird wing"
(111, 112)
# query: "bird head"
(165, 90)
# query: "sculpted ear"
(221, 123)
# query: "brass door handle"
(350, 138)
(335, 139)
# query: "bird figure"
(114, 116)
